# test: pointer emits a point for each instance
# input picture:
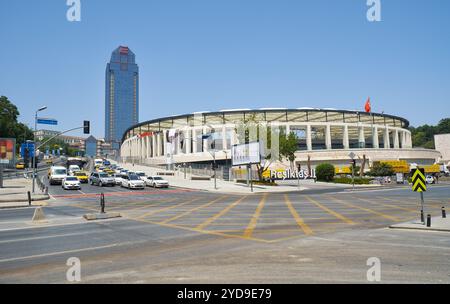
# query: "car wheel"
(100, 184)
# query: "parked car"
(156, 182)
(117, 178)
(141, 175)
(101, 179)
(71, 183)
(82, 177)
(132, 181)
(430, 179)
(57, 175)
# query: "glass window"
(318, 137)
(337, 137)
(300, 132)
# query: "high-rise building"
(121, 94)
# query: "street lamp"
(34, 139)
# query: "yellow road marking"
(192, 210)
(385, 205)
(220, 214)
(166, 208)
(229, 236)
(252, 225)
(338, 215)
(149, 204)
(386, 216)
(297, 217)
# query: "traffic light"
(87, 127)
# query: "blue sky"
(199, 55)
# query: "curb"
(39, 198)
(420, 228)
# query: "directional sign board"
(418, 180)
(47, 121)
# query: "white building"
(324, 135)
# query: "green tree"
(9, 125)
(288, 147)
(381, 169)
(444, 126)
(325, 172)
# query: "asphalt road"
(181, 236)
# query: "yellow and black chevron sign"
(418, 180)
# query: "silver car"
(101, 179)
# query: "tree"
(381, 169)
(9, 126)
(288, 147)
(444, 126)
(325, 172)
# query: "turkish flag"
(368, 107)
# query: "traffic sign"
(47, 121)
(418, 180)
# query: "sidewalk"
(437, 224)
(229, 187)
(14, 193)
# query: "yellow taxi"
(49, 162)
(82, 177)
(20, 166)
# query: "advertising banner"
(245, 154)
(7, 152)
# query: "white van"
(98, 162)
(57, 175)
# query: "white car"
(141, 175)
(132, 182)
(71, 183)
(156, 182)
(118, 178)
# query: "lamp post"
(34, 139)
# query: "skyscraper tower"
(121, 94)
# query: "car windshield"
(140, 174)
(71, 179)
(60, 172)
(134, 177)
(157, 178)
(103, 175)
(80, 174)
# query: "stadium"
(324, 135)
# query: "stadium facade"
(324, 135)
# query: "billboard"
(245, 154)
(7, 151)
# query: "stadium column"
(195, 137)
(361, 137)
(375, 141)
(387, 141)
(187, 140)
(224, 137)
(158, 144)
(153, 145)
(346, 142)
(396, 140)
(205, 142)
(164, 146)
(308, 138)
(328, 137)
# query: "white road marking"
(49, 254)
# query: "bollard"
(29, 198)
(422, 217)
(429, 220)
(102, 203)
(444, 214)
